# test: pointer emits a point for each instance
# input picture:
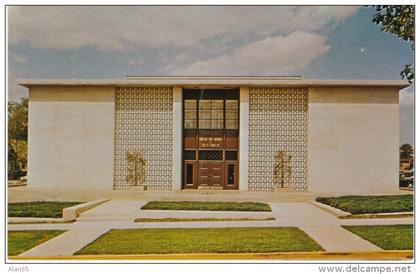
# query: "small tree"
(406, 151)
(282, 169)
(17, 141)
(136, 165)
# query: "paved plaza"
(320, 225)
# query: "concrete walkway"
(129, 210)
(323, 227)
(67, 243)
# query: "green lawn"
(168, 220)
(20, 241)
(211, 206)
(388, 237)
(38, 209)
(370, 204)
(201, 240)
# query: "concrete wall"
(71, 137)
(353, 140)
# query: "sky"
(320, 42)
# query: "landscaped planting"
(21, 241)
(370, 204)
(38, 209)
(206, 206)
(169, 220)
(388, 237)
(201, 240)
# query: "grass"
(201, 240)
(388, 237)
(376, 216)
(21, 241)
(206, 206)
(38, 209)
(370, 204)
(168, 220)
(41, 221)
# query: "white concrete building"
(233, 133)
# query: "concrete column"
(243, 138)
(177, 139)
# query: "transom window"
(211, 114)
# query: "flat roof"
(214, 81)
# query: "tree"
(282, 169)
(17, 142)
(136, 167)
(398, 20)
(406, 151)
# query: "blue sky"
(112, 42)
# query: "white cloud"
(130, 28)
(14, 91)
(136, 62)
(16, 58)
(270, 56)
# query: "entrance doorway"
(210, 138)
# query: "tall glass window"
(232, 114)
(210, 114)
(190, 114)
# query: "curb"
(391, 255)
(379, 215)
(34, 220)
(332, 210)
(71, 213)
(346, 215)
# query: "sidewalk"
(323, 227)
(67, 243)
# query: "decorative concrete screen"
(143, 127)
(278, 123)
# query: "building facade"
(222, 133)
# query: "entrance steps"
(210, 188)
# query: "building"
(231, 133)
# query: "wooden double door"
(211, 139)
(211, 174)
